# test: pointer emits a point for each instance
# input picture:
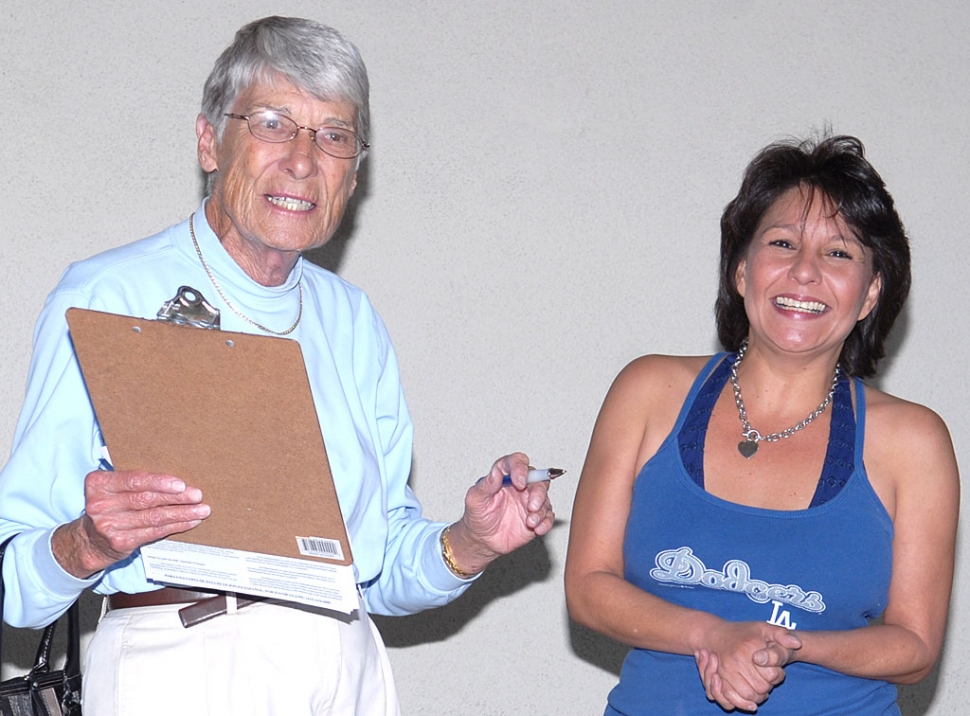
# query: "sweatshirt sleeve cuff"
(49, 573)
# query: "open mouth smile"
(790, 304)
(285, 202)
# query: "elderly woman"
(281, 134)
(764, 529)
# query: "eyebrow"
(851, 239)
(332, 121)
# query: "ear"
(739, 276)
(208, 144)
(872, 296)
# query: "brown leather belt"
(200, 606)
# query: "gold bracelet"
(450, 558)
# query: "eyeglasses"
(270, 126)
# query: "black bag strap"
(72, 666)
(3, 548)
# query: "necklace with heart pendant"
(749, 446)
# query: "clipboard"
(229, 413)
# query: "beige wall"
(540, 206)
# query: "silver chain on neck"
(215, 283)
(749, 446)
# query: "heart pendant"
(747, 448)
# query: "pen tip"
(555, 472)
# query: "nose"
(301, 154)
(805, 267)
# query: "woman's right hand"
(741, 662)
(123, 511)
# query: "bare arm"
(638, 413)
(910, 461)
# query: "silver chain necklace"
(749, 446)
(260, 326)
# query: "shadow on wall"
(331, 254)
(894, 345)
(504, 577)
(20, 645)
(916, 700)
(596, 649)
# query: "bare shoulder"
(907, 444)
(658, 377)
(644, 400)
(898, 424)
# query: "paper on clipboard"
(231, 414)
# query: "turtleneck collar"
(273, 306)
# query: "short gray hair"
(313, 57)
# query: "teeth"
(806, 306)
(285, 202)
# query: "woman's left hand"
(499, 519)
(765, 666)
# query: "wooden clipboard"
(229, 413)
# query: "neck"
(783, 387)
(264, 265)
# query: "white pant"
(264, 660)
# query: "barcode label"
(320, 547)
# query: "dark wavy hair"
(836, 167)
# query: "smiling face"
(270, 202)
(805, 278)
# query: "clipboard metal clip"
(189, 308)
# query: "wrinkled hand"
(122, 512)
(497, 519)
(743, 661)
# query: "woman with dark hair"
(765, 530)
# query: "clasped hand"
(741, 662)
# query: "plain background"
(540, 206)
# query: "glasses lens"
(338, 142)
(272, 127)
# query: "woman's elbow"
(914, 677)
(574, 599)
(924, 661)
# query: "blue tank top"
(823, 568)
